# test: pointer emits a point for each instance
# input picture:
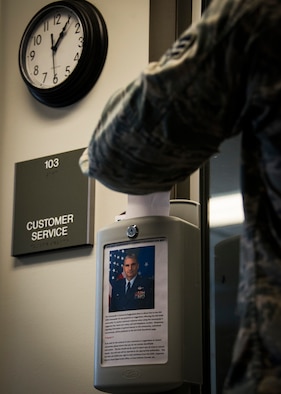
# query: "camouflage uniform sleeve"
(221, 77)
(173, 117)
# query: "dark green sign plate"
(53, 204)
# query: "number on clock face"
(54, 48)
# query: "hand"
(55, 78)
(55, 47)
(53, 54)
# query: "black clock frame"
(90, 64)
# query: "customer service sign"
(53, 204)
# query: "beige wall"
(47, 302)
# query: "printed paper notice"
(135, 304)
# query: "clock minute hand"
(62, 33)
(53, 53)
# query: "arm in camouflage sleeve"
(166, 123)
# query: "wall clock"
(62, 52)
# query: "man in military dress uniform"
(133, 291)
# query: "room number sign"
(52, 163)
(53, 204)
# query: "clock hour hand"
(62, 33)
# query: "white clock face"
(54, 48)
